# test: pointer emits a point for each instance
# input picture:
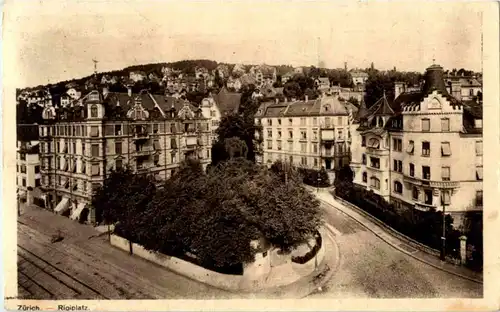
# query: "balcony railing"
(430, 183)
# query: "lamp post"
(443, 238)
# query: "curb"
(402, 250)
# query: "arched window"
(365, 177)
(93, 111)
(398, 187)
(375, 183)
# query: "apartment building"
(214, 107)
(82, 142)
(423, 150)
(28, 167)
(310, 133)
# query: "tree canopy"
(214, 215)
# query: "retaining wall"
(283, 274)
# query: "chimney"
(399, 87)
(129, 90)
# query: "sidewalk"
(397, 242)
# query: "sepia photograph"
(259, 150)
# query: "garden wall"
(255, 277)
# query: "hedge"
(308, 256)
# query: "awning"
(373, 143)
(445, 149)
(410, 148)
(62, 206)
(76, 213)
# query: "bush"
(424, 227)
(308, 256)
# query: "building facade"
(28, 167)
(81, 143)
(423, 151)
(311, 134)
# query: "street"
(84, 266)
(371, 268)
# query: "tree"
(235, 147)
(292, 89)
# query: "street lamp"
(443, 238)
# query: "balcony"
(430, 183)
(140, 136)
(423, 206)
(143, 152)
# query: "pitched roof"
(226, 101)
(326, 106)
(382, 107)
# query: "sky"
(54, 40)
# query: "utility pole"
(443, 238)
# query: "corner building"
(82, 142)
(423, 151)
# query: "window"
(375, 162)
(290, 121)
(315, 121)
(340, 134)
(279, 134)
(94, 131)
(22, 156)
(155, 128)
(398, 187)
(339, 121)
(375, 183)
(24, 182)
(414, 193)
(156, 160)
(426, 172)
(37, 169)
(83, 148)
(95, 150)
(479, 148)
(364, 159)
(445, 173)
(95, 169)
(303, 135)
(173, 143)
(398, 165)
(315, 162)
(118, 164)
(279, 145)
(74, 148)
(173, 128)
(363, 141)
(290, 146)
(37, 182)
(426, 124)
(315, 148)
(445, 149)
(327, 122)
(269, 144)
(426, 148)
(445, 198)
(269, 122)
(471, 92)
(279, 121)
(479, 173)
(156, 145)
(412, 170)
(365, 177)
(428, 197)
(315, 135)
(302, 121)
(118, 147)
(269, 133)
(303, 148)
(58, 147)
(172, 158)
(290, 134)
(93, 111)
(303, 161)
(479, 198)
(445, 125)
(23, 168)
(291, 159)
(380, 122)
(397, 145)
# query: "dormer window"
(93, 111)
(380, 122)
